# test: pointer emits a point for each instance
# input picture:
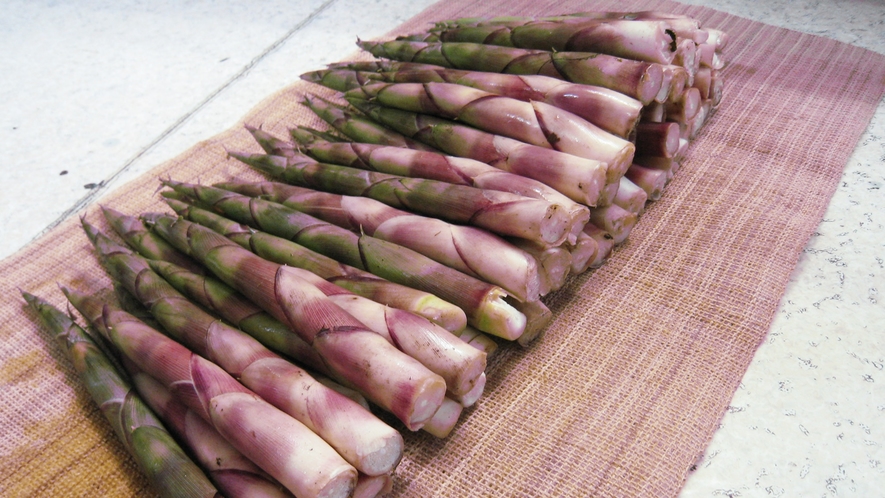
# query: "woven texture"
(626, 388)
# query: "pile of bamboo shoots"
(284, 332)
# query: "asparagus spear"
(219, 296)
(640, 80)
(648, 40)
(482, 302)
(501, 212)
(236, 475)
(166, 465)
(582, 180)
(147, 243)
(610, 110)
(536, 123)
(684, 26)
(255, 320)
(471, 250)
(355, 125)
(280, 445)
(355, 355)
(430, 165)
(360, 282)
(362, 439)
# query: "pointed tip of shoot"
(180, 207)
(91, 230)
(72, 295)
(240, 156)
(313, 76)
(250, 128)
(102, 243)
(110, 212)
(29, 298)
(120, 222)
(169, 182)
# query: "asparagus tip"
(91, 231)
(242, 156)
(176, 204)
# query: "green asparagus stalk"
(612, 111)
(220, 296)
(280, 445)
(500, 212)
(366, 442)
(471, 250)
(356, 356)
(582, 180)
(131, 271)
(648, 40)
(434, 166)
(236, 475)
(684, 26)
(355, 125)
(147, 243)
(640, 80)
(360, 282)
(166, 465)
(483, 303)
(535, 123)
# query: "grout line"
(104, 185)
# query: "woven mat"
(625, 390)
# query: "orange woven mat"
(626, 388)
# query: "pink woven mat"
(625, 390)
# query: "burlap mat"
(625, 390)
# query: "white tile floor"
(96, 92)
